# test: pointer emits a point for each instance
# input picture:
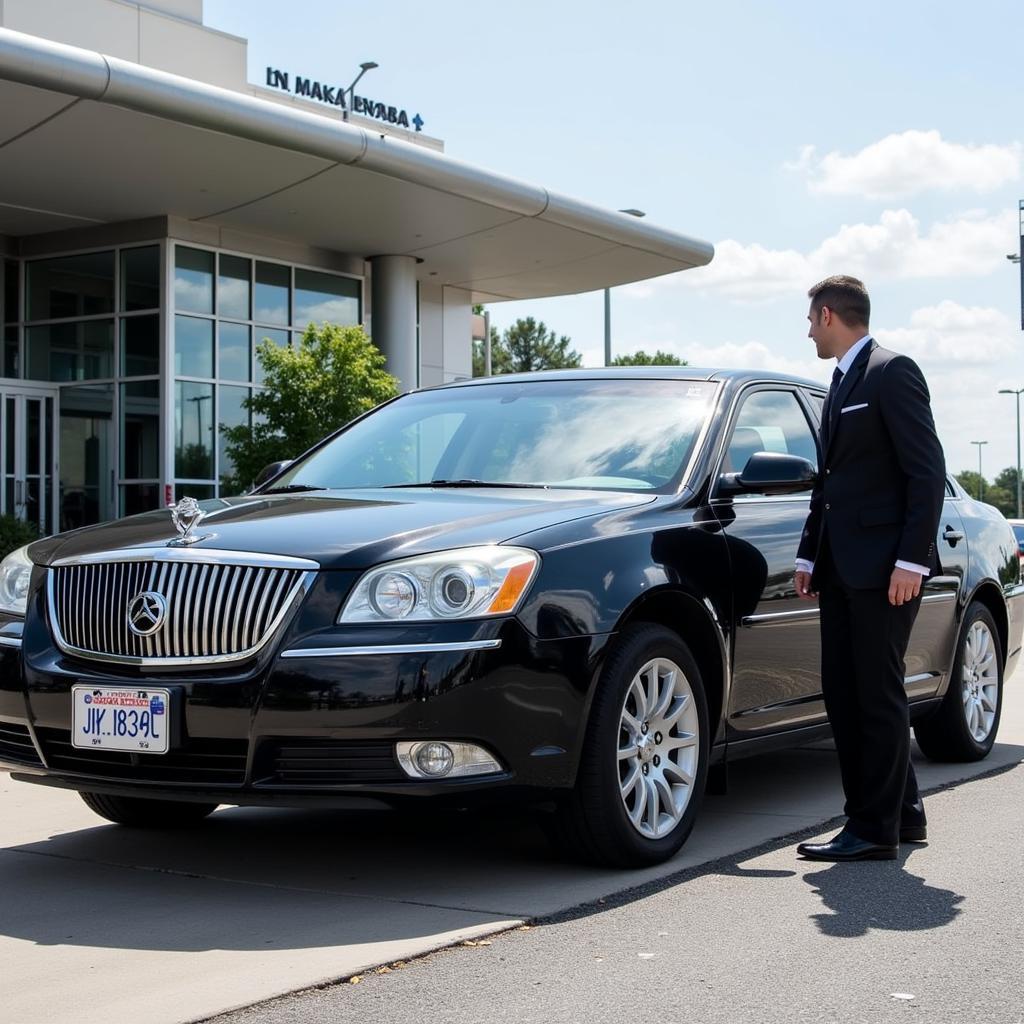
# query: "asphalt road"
(936, 937)
(100, 923)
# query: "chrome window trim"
(349, 652)
(301, 588)
(190, 554)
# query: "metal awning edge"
(73, 71)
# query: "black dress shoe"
(847, 846)
(913, 833)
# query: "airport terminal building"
(160, 214)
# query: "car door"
(776, 657)
(930, 649)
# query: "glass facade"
(225, 305)
(89, 324)
(138, 356)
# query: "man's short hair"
(845, 296)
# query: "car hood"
(347, 529)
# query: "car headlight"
(15, 574)
(467, 583)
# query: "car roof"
(690, 373)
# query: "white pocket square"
(853, 408)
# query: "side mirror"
(269, 471)
(769, 473)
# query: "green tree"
(479, 360)
(643, 358)
(1007, 481)
(528, 345)
(1002, 493)
(331, 376)
(1002, 499)
(968, 480)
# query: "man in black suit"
(867, 546)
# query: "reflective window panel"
(9, 295)
(73, 351)
(197, 491)
(140, 430)
(193, 347)
(273, 283)
(140, 345)
(193, 430)
(282, 338)
(140, 278)
(193, 280)
(232, 414)
(87, 456)
(235, 357)
(10, 363)
(136, 498)
(324, 297)
(233, 287)
(70, 286)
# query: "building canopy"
(88, 139)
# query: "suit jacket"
(880, 488)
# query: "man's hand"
(802, 581)
(904, 585)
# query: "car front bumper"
(315, 722)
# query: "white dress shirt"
(844, 364)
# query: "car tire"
(964, 726)
(143, 813)
(634, 810)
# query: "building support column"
(393, 316)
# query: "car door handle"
(951, 536)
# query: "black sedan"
(572, 588)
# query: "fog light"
(444, 759)
(434, 759)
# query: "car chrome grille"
(200, 761)
(213, 610)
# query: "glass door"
(28, 453)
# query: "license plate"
(110, 718)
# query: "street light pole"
(1016, 392)
(981, 479)
(608, 304)
(367, 65)
(607, 327)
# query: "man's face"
(821, 330)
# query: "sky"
(882, 140)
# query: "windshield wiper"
(292, 489)
(467, 483)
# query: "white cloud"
(953, 334)
(967, 353)
(908, 163)
(893, 248)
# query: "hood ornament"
(186, 515)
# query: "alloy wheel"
(979, 676)
(659, 744)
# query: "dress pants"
(863, 645)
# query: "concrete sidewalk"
(99, 923)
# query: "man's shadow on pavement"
(879, 895)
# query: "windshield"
(603, 434)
